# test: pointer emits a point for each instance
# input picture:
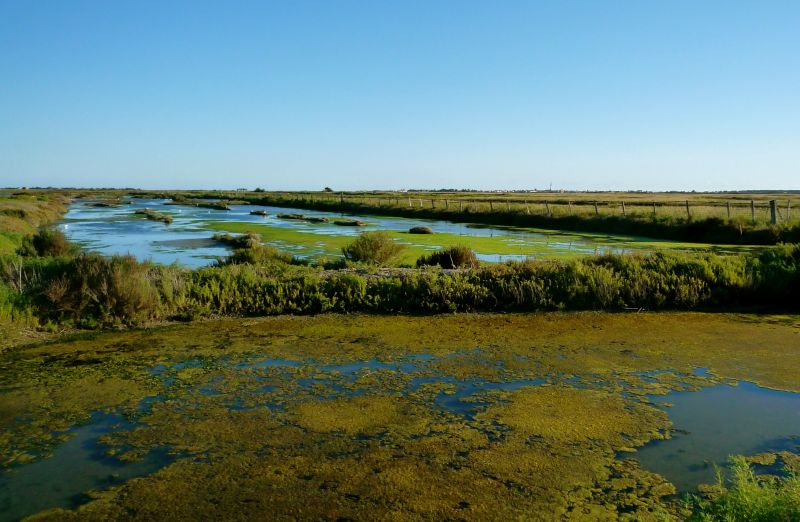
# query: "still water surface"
(115, 230)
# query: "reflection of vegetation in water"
(313, 417)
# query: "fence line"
(756, 212)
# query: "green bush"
(372, 247)
(257, 255)
(92, 291)
(751, 499)
(247, 240)
(46, 242)
(106, 290)
(453, 257)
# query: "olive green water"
(448, 417)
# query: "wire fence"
(753, 211)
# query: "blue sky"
(586, 95)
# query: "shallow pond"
(710, 424)
(115, 230)
(716, 422)
(76, 467)
(514, 412)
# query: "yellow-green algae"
(297, 440)
(556, 244)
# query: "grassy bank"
(706, 218)
(154, 215)
(45, 283)
(90, 290)
(22, 214)
(716, 230)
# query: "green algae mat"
(467, 417)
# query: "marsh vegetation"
(356, 416)
(154, 215)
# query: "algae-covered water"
(723, 420)
(116, 230)
(471, 416)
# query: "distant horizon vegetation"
(418, 189)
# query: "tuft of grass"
(751, 498)
(372, 247)
(458, 256)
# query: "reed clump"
(458, 256)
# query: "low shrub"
(257, 254)
(46, 242)
(750, 499)
(108, 290)
(247, 240)
(372, 247)
(420, 230)
(452, 257)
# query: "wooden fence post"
(773, 212)
(491, 206)
(461, 206)
(753, 211)
(547, 206)
(654, 209)
(446, 205)
(788, 210)
(433, 204)
(596, 211)
(570, 207)
(508, 206)
(623, 208)
(688, 214)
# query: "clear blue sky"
(287, 95)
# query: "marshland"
(235, 363)
(399, 261)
